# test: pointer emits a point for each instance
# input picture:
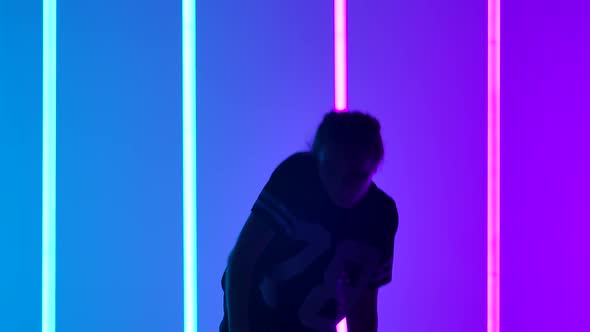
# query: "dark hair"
(351, 128)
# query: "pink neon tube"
(493, 166)
(340, 77)
(340, 57)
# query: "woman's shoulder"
(386, 204)
(297, 161)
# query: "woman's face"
(346, 173)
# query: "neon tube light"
(189, 145)
(49, 167)
(493, 204)
(340, 77)
(340, 56)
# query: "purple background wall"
(421, 67)
(546, 158)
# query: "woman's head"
(349, 149)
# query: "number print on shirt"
(353, 263)
(345, 278)
(318, 240)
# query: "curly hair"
(350, 129)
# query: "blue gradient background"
(20, 164)
(265, 79)
(120, 173)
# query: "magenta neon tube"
(493, 204)
(340, 56)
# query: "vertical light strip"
(189, 145)
(340, 56)
(493, 166)
(340, 77)
(342, 326)
(49, 167)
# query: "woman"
(319, 241)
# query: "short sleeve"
(276, 200)
(383, 273)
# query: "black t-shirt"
(322, 257)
